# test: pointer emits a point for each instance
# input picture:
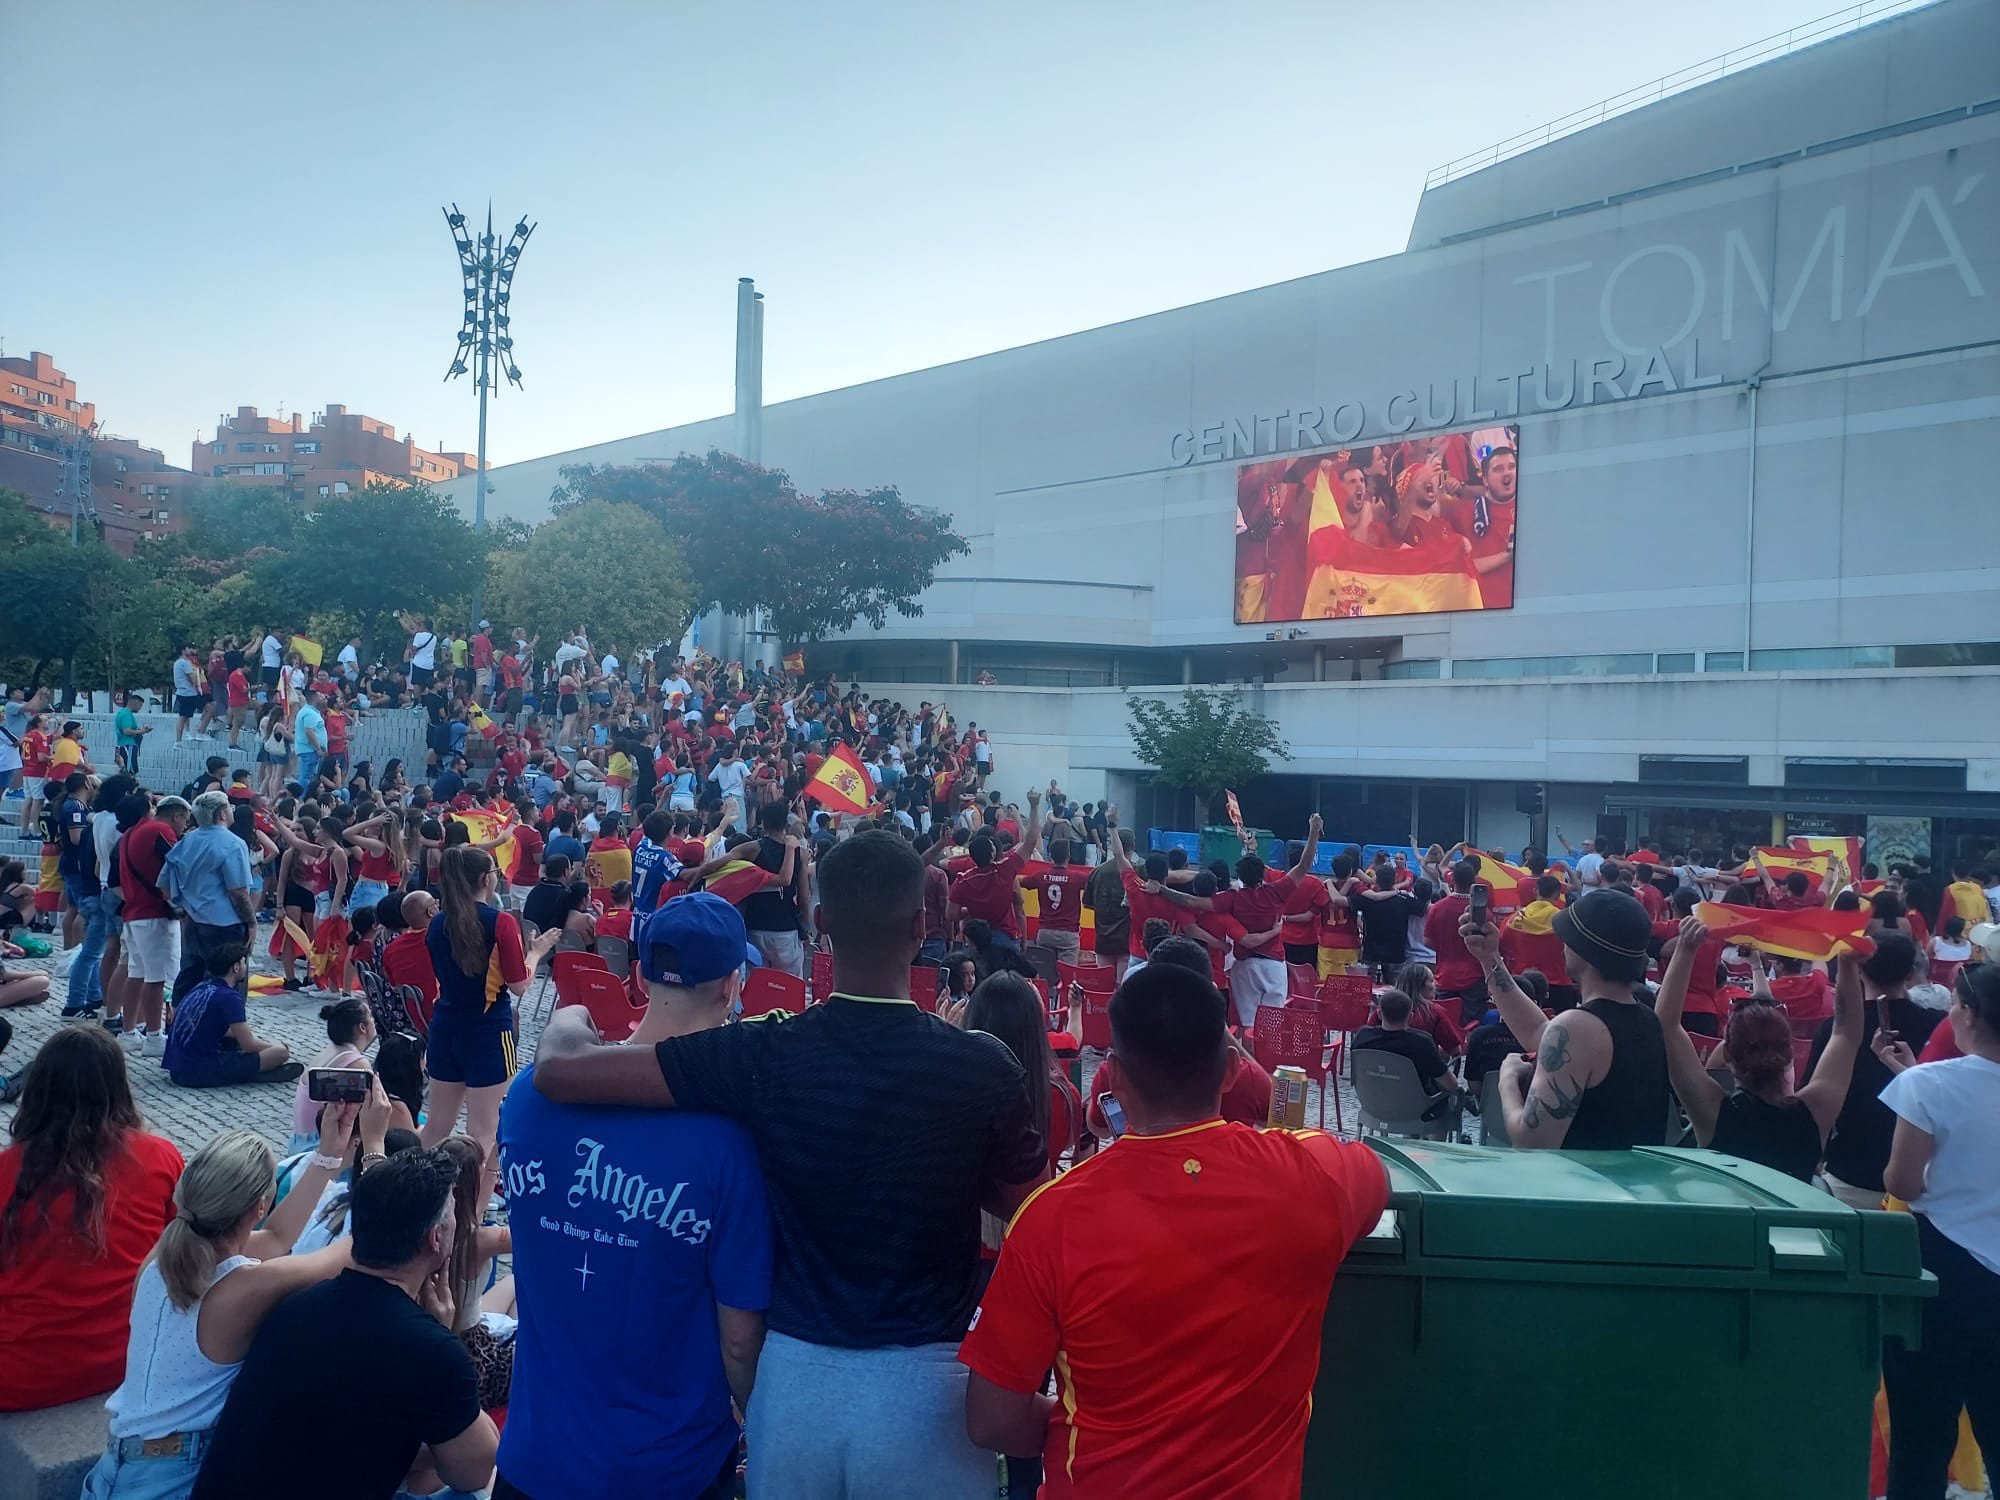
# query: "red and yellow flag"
(738, 880)
(795, 663)
(483, 725)
(843, 783)
(484, 825)
(1814, 933)
(1499, 877)
(1778, 863)
(1351, 579)
(1845, 850)
(1235, 811)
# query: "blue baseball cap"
(693, 940)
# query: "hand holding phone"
(339, 1085)
(1482, 900)
(1114, 1114)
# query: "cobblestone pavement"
(191, 1117)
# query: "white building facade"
(1750, 337)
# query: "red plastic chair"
(608, 1001)
(925, 982)
(822, 976)
(1294, 1036)
(1801, 1056)
(1302, 979)
(1346, 1001)
(416, 1007)
(1944, 971)
(1703, 1045)
(767, 990)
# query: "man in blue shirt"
(642, 1254)
(309, 737)
(653, 864)
(563, 840)
(207, 878)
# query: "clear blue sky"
(227, 203)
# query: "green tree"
(610, 563)
(749, 539)
(359, 561)
(56, 600)
(1206, 743)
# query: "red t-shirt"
(336, 732)
(35, 755)
(68, 1312)
(142, 854)
(407, 961)
(1701, 999)
(1207, 1252)
(1257, 909)
(989, 894)
(616, 923)
(1649, 897)
(482, 650)
(510, 671)
(1144, 906)
(1496, 589)
(1337, 929)
(238, 689)
(1804, 995)
(1232, 932)
(528, 864)
(1306, 910)
(1642, 857)
(1059, 893)
(1456, 968)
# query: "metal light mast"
(484, 340)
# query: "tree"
(361, 560)
(609, 563)
(749, 539)
(1206, 744)
(55, 599)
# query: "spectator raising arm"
(1701, 1096)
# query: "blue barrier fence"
(1273, 852)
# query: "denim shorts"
(117, 1476)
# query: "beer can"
(1288, 1098)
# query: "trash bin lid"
(1652, 1206)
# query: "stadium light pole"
(485, 342)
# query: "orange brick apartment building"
(338, 452)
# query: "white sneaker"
(132, 1041)
(155, 1045)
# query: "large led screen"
(1403, 528)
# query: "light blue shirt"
(308, 731)
(200, 872)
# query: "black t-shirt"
(358, 1340)
(1385, 926)
(1486, 1048)
(76, 858)
(547, 904)
(880, 1129)
(1858, 1149)
(775, 908)
(1415, 1045)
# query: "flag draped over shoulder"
(738, 880)
(843, 783)
(483, 825)
(1812, 933)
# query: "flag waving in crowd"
(843, 783)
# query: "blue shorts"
(477, 1051)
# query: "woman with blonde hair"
(201, 1298)
(481, 965)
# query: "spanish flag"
(1500, 878)
(483, 825)
(483, 725)
(843, 783)
(1778, 863)
(1811, 933)
(738, 880)
(1845, 850)
(795, 663)
(1351, 579)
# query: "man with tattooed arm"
(1594, 1078)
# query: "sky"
(215, 203)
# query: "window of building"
(1710, 770)
(246, 447)
(145, 489)
(163, 516)
(270, 447)
(340, 486)
(1822, 658)
(218, 447)
(19, 390)
(1722, 661)
(322, 492)
(312, 447)
(266, 468)
(47, 398)
(1400, 670)
(1606, 665)
(1885, 774)
(72, 406)
(1674, 661)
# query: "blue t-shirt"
(652, 867)
(569, 848)
(201, 1021)
(629, 1227)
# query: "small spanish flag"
(483, 825)
(1811, 933)
(1778, 863)
(795, 663)
(843, 783)
(1235, 810)
(309, 650)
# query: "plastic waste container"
(1220, 841)
(1645, 1325)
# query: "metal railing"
(1809, 33)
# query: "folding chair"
(1045, 962)
(1293, 1036)
(1703, 1045)
(564, 967)
(1346, 1002)
(609, 1003)
(417, 1008)
(767, 990)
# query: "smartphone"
(1481, 897)
(1114, 1116)
(338, 1085)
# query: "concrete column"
(1187, 669)
(1319, 664)
(951, 673)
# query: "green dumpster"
(1645, 1325)
(1220, 841)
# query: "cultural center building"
(1655, 481)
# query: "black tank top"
(1782, 1136)
(1629, 1108)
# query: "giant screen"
(1403, 528)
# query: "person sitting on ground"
(22, 987)
(638, 1404)
(211, 1044)
(1762, 1119)
(221, 1265)
(1599, 1079)
(84, 1194)
(1123, 1224)
(407, 960)
(350, 1032)
(382, 1326)
(1246, 1087)
(1394, 1033)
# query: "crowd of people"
(837, 1250)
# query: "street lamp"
(485, 342)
